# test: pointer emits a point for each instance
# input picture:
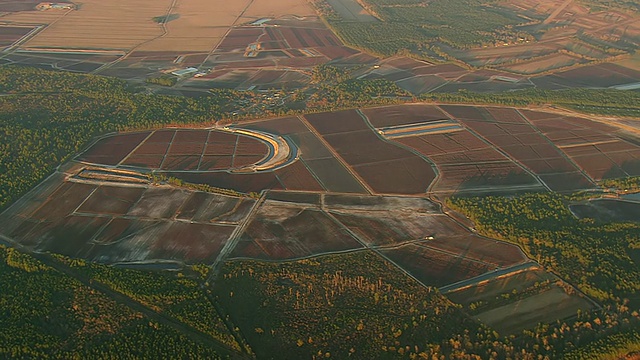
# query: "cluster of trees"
(354, 305)
(628, 184)
(459, 23)
(47, 116)
(355, 93)
(164, 80)
(163, 179)
(47, 314)
(178, 296)
(597, 101)
(330, 307)
(593, 256)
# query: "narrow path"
(498, 149)
(235, 22)
(233, 240)
(130, 51)
(488, 276)
(557, 12)
(336, 155)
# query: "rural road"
(488, 276)
(557, 12)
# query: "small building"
(55, 6)
(185, 72)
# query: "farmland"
(522, 36)
(221, 228)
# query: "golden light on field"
(197, 25)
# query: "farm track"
(337, 156)
(192, 333)
(226, 33)
(164, 33)
(233, 240)
(557, 12)
(434, 167)
(562, 153)
(498, 149)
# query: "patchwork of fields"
(346, 181)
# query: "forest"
(594, 256)
(324, 307)
(46, 314)
(410, 25)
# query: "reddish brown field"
(190, 136)
(539, 155)
(435, 268)
(485, 250)
(298, 177)
(111, 150)
(403, 114)
(240, 161)
(495, 177)
(266, 76)
(289, 232)
(122, 223)
(306, 37)
(152, 148)
(186, 148)
(180, 162)
(111, 200)
(462, 112)
(601, 75)
(183, 150)
(507, 115)
(63, 201)
(239, 39)
(595, 147)
(336, 122)
(336, 52)
(411, 175)
(334, 176)
(193, 243)
(159, 203)
(466, 162)
(144, 161)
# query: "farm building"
(56, 6)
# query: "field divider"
(135, 148)
(498, 149)
(376, 250)
(337, 156)
(233, 240)
(164, 158)
(434, 166)
(562, 153)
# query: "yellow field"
(199, 25)
(115, 24)
(275, 8)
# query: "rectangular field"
(125, 223)
(286, 231)
(435, 268)
(370, 156)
